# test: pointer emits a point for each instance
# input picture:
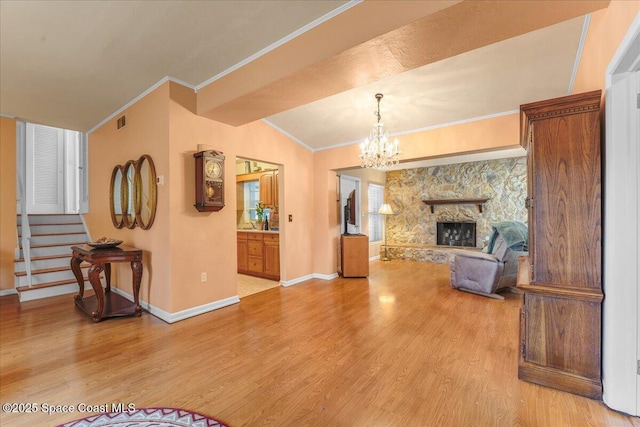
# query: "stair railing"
(25, 235)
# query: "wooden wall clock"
(209, 181)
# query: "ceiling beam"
(369, 42)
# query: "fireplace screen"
(456, 234)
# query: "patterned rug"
(147, 417)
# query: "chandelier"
(376, 151)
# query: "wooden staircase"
(52, 237)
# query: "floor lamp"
(385, 210)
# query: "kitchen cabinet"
(254, 252)
(276, 198)
(268, 183)
(259, 254)
(560, 321)
(239, 195)
(271, 255)
(242, 251)
(266, 189)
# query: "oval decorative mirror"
(115, 196)
(145, 194)
(126, 194)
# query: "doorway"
(350, 222)
(258, 202)
(621, 323)
(52, 170)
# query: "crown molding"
(576, 63)
(138, 98)
(275, 45)
(443, 125)
(288, 135)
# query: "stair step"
(61, 249)
(49, 284)
(49, 245)
(38, 229)
(43, 262)
(42, 276)
(64, 233)
(43, 271)
(56, 223)
(55, 218)
(56, 239)
(51, 238)
(42, 258)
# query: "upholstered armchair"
(488, 273)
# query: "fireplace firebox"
(456, 233)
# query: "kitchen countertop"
(259, 231)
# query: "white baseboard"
(287, 283)
(184, 314)
(373, 258)
(295, 281)
(11, 291)
(325, 276)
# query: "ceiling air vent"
(122, 122)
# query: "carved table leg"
(107, 275)
(94, 279)
(75, 268)
(136, 268)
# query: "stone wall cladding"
(503, 181)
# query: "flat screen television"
(352, 207)
(350, 211)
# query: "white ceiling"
(72, 64)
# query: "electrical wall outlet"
(203, 277)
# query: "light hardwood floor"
(249, 285)
(400, 348)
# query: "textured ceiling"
(72, 64)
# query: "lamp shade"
(385, 209)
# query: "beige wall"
(209, 239)
(8, 230)
(184, 242)
(606, 30)
(146, 132)
(199, 241)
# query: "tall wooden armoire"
(560, 326)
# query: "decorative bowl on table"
(104, 242)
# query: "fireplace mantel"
(433, 202)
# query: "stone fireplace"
(412, 233)
(456, 233)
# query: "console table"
(354, 255)
(106, 303)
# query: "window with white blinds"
(376, 197)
